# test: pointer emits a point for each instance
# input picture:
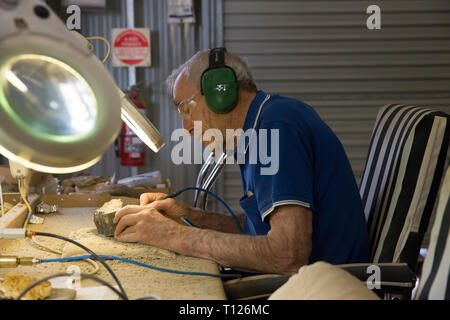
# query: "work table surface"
(136, 280)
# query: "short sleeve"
(284, 173)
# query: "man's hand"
(169, 207)
(144, 225)
(147, 198)
(200, 218)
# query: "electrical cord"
(2, 208)
(144, 265)
(107, 43)
(58, 252)
(30, 213)
(66, 274)
(149, 297)
(175, 194)
(92, 253)
(187, 222)
(24, 198)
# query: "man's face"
(183, 91)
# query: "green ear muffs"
(218, 83)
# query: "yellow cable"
(58, 252)
(45, 247)
(107, 43)
(96, 267)
(22, 194)
(2, 208)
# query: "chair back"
(434, 283)
(401, 179)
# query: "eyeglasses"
(185, 107)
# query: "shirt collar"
(253, 110)
(252, 116)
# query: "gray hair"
(199, 62)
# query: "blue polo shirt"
(300, 161)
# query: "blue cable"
(187, 222)
(143, 265)
(214, 196)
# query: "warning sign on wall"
(131, 47)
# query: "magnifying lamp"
(60, 109)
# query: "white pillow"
(323, 281)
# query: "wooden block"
(15, 218)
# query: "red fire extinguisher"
(132, 149)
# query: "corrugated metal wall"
(165, 57)
(321, 52)
(99, 23)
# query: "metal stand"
(207, 177)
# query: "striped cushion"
(401, 179)
(435, 278)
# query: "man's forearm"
(250, 253)
(285, 248)
(215, 221)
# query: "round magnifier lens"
(48, 98)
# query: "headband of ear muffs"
(218, 83)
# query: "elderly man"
(307, 210)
